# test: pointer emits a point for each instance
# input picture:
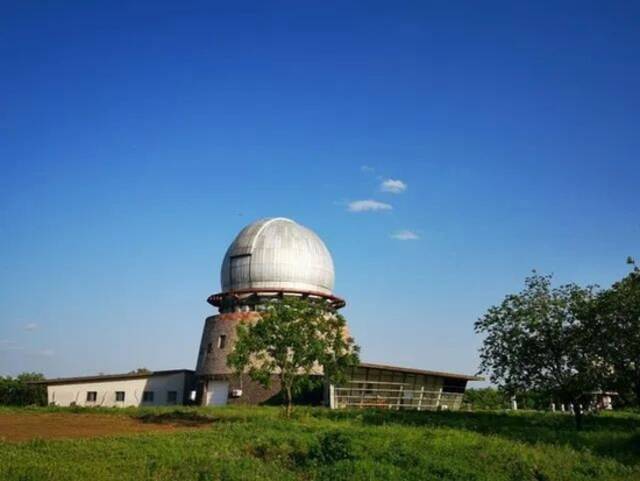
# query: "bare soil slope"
(24, 427)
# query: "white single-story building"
(151, 388)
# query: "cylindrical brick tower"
(269, 258)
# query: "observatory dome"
(277, 254)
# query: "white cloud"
(368, 205)
(32, 326)
(7, 345)
(367, 169)
(393, 186)
(405, 235)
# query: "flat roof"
(111, 377)
(141, 375)
(409, 370)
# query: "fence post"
(438, 398)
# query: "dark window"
(209, 347)
(119, 396)
(172, 397)
(454, 385)
(92, 396)
(147, 397)
(222, 341)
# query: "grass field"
(235, 443)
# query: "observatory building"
(269, 258)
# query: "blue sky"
(137, 140)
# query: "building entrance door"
(217, 393)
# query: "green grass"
(249, 443)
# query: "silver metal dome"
(277, 254)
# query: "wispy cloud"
(394, 186)
(44, 353)
(368, 205)
(405, 235)
(32, 326)
(8, 345)
(367, 169)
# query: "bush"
(332, 447)
(486, 398)
(18, 392)
(490, 398)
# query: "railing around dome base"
(217, 300)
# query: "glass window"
(172, 397)
(92, 396)
(119, 396)
(147, 397)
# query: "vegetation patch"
(176, 417)
(246, 443)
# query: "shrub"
(332, 447)
(18, 391)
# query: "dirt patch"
(24, 427)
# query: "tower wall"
(212, 369)
(212, 359)
(215, 375)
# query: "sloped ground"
(249, 443)
(17, 426)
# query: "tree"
(485, 398)
(19, 392)
(537, 340)
(615, 314)
(293, 338)
(140, 370)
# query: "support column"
(420, 399)
(203, 395)
(332, 396)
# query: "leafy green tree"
(140, 370)
(536, 340)
(18, 391)
(490, 398)
(486, 398)
(293, 338)
(615, 314)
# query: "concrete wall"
(66, 394)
